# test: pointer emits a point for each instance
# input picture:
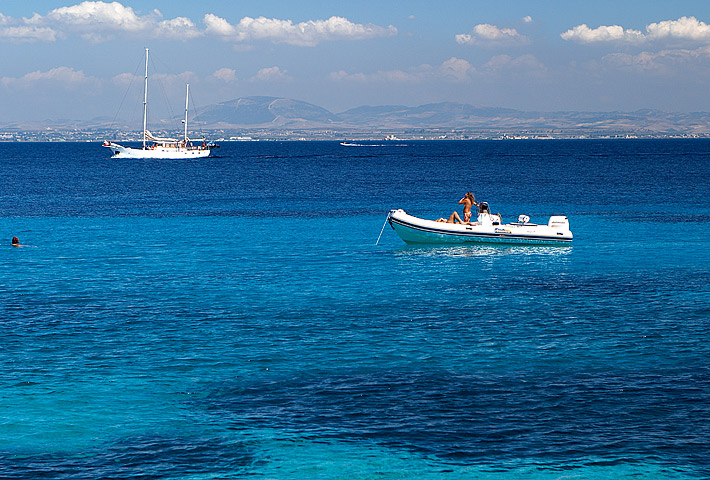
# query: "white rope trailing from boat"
(383, 228)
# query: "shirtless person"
(467, 201)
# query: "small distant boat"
(487, 229)
(350, 144)
(163, 148)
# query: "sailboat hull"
(158, 152)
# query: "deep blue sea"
(233, 317)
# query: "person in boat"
(453, 218)
(468, 201)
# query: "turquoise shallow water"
(233, 317)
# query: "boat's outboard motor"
(558, 221)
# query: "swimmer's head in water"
(15, 241)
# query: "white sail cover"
(150, 136)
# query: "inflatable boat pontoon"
(487, 229)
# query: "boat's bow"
(115, 148)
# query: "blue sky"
(71, 59)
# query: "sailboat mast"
(187, 96)
(145, 99)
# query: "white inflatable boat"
(487, 229)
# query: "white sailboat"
(157, 147)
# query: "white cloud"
(15, 30)
(387, 76)
(685, 28)
(382, 76)
(456, 69)
(96, 21)
(526, 64)
(218, 26)
(270, 74)
(688, 29)
(27, 33)
(490, 35)
(100, 21)
(643, 61)
(527, 19)
(307, 33)
(665, 61)
(65, 77)
(168, 81)
(94, 15)
(175, 80)
(227, 75)
(179, 28)
(452, 70)
(613, 33)
(124, 79)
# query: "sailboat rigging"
(156, 147)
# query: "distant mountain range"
(282, 113)
(277, 114)
(265, 112)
